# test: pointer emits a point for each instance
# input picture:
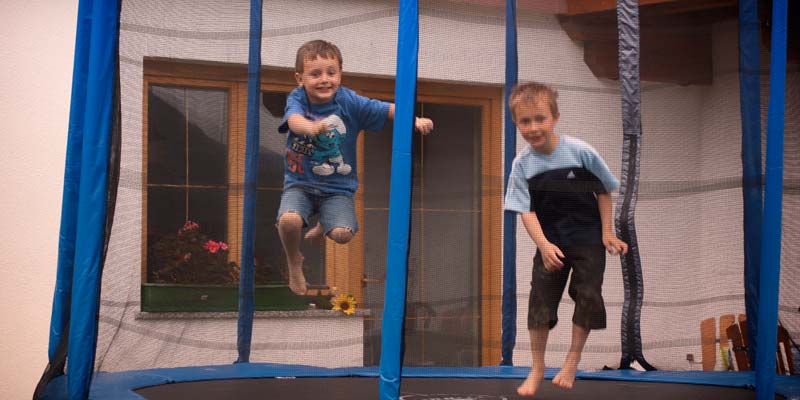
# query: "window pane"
(271, 143)
(209, 208)
(166, 213)
(450, 287)
(166, 135)
(178, 251)
(208, 136)
(187, 224)
(452, 167)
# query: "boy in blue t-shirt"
(323, 119)
(560, 187)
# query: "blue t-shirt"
(560, 188)
(328, 161)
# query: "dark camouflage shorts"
(587, 265)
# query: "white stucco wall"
(36, 49)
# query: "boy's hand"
(317, 128)
(423, 125)
(614, 246)
(551, 256)
(301, 125)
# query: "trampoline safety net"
(206, 168)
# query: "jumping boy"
(560, 187)
(323, 119)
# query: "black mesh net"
(169, 291)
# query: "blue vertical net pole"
(91, 218)
(769, 282)
(72, 173)
(750, 104)
(509, 312)
(399, 202)
(246, 272)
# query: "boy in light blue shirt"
(560, 187)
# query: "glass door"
(443, 309)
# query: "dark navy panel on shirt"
(565, 203)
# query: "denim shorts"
(335, 210)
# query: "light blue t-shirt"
(561, 189)
(328, 161)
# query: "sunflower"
(345, 303)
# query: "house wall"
(37, 39)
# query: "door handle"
(365, 281)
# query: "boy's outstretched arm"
(300, 125)
(613, 245)
(551, 254)
(423, 125)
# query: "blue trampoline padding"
(121, 385)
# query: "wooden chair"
(708, 341)
(738, 335)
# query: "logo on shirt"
(571, 175)
(302, 146)
(327, 158)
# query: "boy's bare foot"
(297, 281)
(531, 384)
(314, 234)
(566, 377)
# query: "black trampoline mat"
(352, 388)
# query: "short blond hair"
(316, 48)
(531, 92)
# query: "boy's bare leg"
(290, 228)
(538, 346)
(315, 233)
(566, 377)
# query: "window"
(193, 163)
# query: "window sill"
(296, 314)
(217, 299)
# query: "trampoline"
(246, 381)
(172, 277)
(432, 388)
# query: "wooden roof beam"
(576, 7)
(579, 7)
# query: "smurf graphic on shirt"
(327, 157)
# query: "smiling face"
(320, 78)
(536, 123)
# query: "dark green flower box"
(165, 297)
